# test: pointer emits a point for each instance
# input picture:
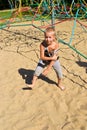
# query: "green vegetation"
(5, 14)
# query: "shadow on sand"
(27, 75)
(82, 64)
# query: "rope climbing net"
(48, 11)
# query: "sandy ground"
(45, 107)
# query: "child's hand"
(54, 57)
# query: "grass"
(5, 14)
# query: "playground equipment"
(45, 10)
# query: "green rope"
(73, 30)
(73, 48)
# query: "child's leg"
(58, 70)
(33, 81)
(60, 84)
(38, 71)
(45, 72)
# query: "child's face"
(49, 37)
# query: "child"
(48, 58)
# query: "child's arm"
(46, 58)
(45, 72)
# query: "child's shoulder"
(56, 45)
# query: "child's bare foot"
(30, 86)
(61, 87)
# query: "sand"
(45, 107)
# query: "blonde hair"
(50, 29)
